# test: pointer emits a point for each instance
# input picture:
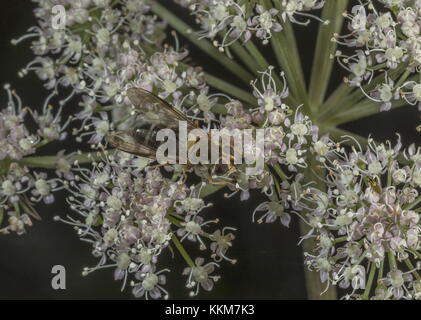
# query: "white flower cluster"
(130, 217)
(163, 73)
(288, 134)
(98, 36)
(387, 44)
(367, 223)
(21, 188)
(239, 20)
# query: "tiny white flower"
(114, 203)
(123, 261)
(375, 167)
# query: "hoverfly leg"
(184, 174)
(159, 165)
(231, 170)
(219, 183)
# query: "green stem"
(4, 166)
(182, 251)
(278, 45)
(226, 87)
(50, 162)
(413, 204)
(230, 89)
(323, 63)
(392, 261)
(377, 67)
(1, 215)
(280, 172)
(42, 143)
(285, 48)
(202, 44)
(17, 208)
(335, 99)
(28, 208)
(389, 174)
(219, 109)
(261, 61)
(106, 108)
(381, 270)
(412, 268)
(313, 283)
(418, 254)
(369, 282)
(361, 110)
(353, 97)
(210, 189)
(336, 134)
(340, 239)
(277, 187)
(173, 220)
(245, 57)
(287, 38)
(359, 141)
(402, 79)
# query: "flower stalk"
(323, 61)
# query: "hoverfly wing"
(128, 141)
(140, 142)
(156, 111)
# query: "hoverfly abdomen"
(146, 136)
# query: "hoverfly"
(374, 184)
(154, 114)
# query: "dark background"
(269, 260)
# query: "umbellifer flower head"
(367, 223)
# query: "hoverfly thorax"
(374, 184)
